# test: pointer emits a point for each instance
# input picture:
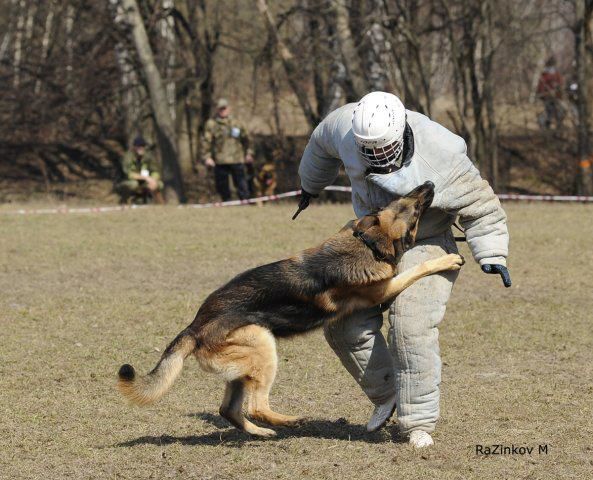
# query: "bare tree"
(377, 46)
(18, 42)
(291, 68)
(70, 11)
(583, 31)
(357, 85)
(165, 126)
(9, 33)
(47, 31)
(470, 28)
(198, 32)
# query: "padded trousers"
(410, 364)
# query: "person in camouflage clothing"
(227, 149)
(141, 176)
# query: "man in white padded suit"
(387, 151)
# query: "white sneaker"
(420, 439)
(381, 414)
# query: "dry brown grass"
(82, 294)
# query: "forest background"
(81, 78)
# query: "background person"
(227, 149)
(142, 178)
(387, 151)
(549, 90)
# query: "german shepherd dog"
(233, 331)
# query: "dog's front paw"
(452, 261)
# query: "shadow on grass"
(334, 430)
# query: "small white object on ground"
(420, 439)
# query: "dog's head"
(267, 173)
(392, 230)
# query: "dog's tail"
(144, 390)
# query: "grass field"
(82, 294)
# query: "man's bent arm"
(480, 213)
(318, 168)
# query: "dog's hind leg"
(248, 362)
(259, 406)
(232, 409)
(260, 380)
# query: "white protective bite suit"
(413, 369)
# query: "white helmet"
(378, 124)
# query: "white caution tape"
(270, 198)
(247, 201)
(64, 209)
(545, 198)
(230, 203)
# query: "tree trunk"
(582, 32)
(30, 21)
(49, 19)
(167, 25)
(208, 39)
(492, 141)
(275, 89)
(472, 55)
(130, 96)
(207, 86)
(293, 72)
(165, 127)
(184, 126)
(408, 67)
(18, 43)
(488, 92)
(329, 72)
(337, 77)
(317, 66)
(69, 47)
(176, 97)
(356, 80)
(586, 163)
(6, 37)
(375, 56)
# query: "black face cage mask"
(381, 157)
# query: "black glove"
(500, 269)
(303, 202)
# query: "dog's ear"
(366, 222)
(348, 226)
(369, 230)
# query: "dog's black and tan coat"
(233, 331)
